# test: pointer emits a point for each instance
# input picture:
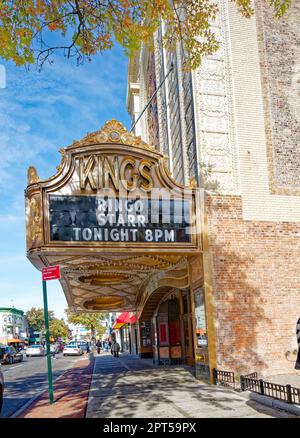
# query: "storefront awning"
(133, 319)
(124, 318)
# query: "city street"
(25, 380)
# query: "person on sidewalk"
(98, 345)
(116, 348)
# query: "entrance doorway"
(172, 326)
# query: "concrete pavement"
(129, 387)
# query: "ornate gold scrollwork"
(113, 131)
(34, 218)
(32, 176)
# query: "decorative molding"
(32, 176)
(215, 109)
(34, 228)
(112, 132)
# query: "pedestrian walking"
(115, 349)
(98, 345)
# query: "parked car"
(71, 350)
(9, 355)
(82, 344)
(35, 350)
(1, 388)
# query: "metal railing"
(285, 393)
(225, 378)
(251, 382)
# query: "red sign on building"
(51, 273)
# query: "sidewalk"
(128, 387)
(71, 392)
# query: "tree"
(82, 28)
(91, 321)
(58, 328)
(36, 319)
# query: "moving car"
(71, 350)
(35, 350)
(1, 388)
(9, 355)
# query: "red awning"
(133, 319)
(122, 319)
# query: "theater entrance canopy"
(114, 220)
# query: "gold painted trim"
(208, 286)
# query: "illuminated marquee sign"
(102, 219)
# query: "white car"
(72, 350)
(35, 350)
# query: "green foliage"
(58, 328)
(90, 321)
(86, 27)
(35, 317)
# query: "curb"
(34, 398)
(273, 403)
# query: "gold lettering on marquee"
(128, 185)
(111, 172)
(86, 173)
(99, 171)
(146, 165)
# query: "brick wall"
(256, 283)
(279, 42)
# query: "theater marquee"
(112, 194)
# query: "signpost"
(49, 273)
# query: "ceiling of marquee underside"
(111, 282)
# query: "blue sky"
(39, 113)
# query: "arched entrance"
(166, 325)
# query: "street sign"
(51, 273)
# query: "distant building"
(79, 332)
(13, 325)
